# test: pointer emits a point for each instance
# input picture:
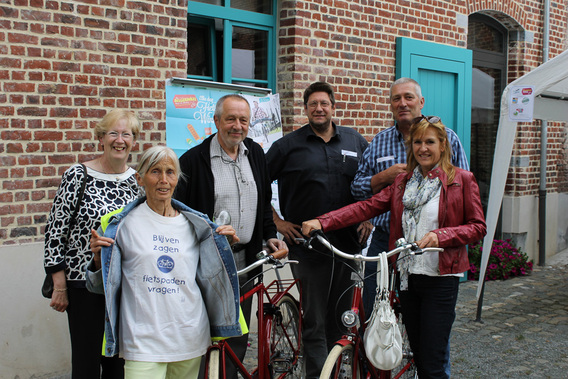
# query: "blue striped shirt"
(387, 149)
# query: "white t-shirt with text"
(162, 313)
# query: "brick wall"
(351, 44)
(63, 65)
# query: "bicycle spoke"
(285, 345)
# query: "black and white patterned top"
(104, 193)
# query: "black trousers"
(326, 293)
(428, 311)
(86, 316)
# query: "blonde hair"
(114, 116)
(155, 154)
(417, 129)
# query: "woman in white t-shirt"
(158, 268)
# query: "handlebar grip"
(279, 254)
(316, 232)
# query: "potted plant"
(505, 261)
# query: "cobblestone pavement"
(523, 330)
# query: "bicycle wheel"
(341, 364)
(213, 364)
(406, 369)
(286, 348)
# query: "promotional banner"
(190, 111)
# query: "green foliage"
(505, 261)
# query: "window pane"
(259, 6)
(250, 53)
(486, 95)
(198, 50)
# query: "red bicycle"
(347, 358)
(280, 348)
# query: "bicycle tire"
(286, 354)
(406, 369)
(213, 364)
(340, 364)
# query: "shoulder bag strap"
(384, 273)
(79, 199)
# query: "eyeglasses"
(323, 104)
(430, 119)
(114, 135)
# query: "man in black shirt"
(314, 166)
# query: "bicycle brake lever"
(415, 250)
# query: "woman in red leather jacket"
(436, 205)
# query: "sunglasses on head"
(430, 119)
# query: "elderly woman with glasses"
(435, 205)
(108, 183)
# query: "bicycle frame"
(268, 303)
(354, 320)
(356, 329)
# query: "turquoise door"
(444, 73)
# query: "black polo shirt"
(314, 177)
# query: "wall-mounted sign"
(521, 103)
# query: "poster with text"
(521, 103)
(190, 117)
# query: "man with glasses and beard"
(314, 166)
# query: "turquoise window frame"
(245, 19)
(210, 24)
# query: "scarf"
(419, 191)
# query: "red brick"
(17, 184)
(11, 209)
(6, 221)
(38, 207)
(37, 195)
(14, 148)
(62, 159)
(42, 135)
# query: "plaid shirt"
(387, 149)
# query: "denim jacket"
(216, 276)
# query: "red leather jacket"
(460, 216)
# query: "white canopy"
(550, 82)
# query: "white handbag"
(382, 339)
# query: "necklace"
(110, 171)
(173, 213)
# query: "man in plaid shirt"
(383, 160)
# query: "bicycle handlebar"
(265, 257)
(402, 246)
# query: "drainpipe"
(543, 146)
